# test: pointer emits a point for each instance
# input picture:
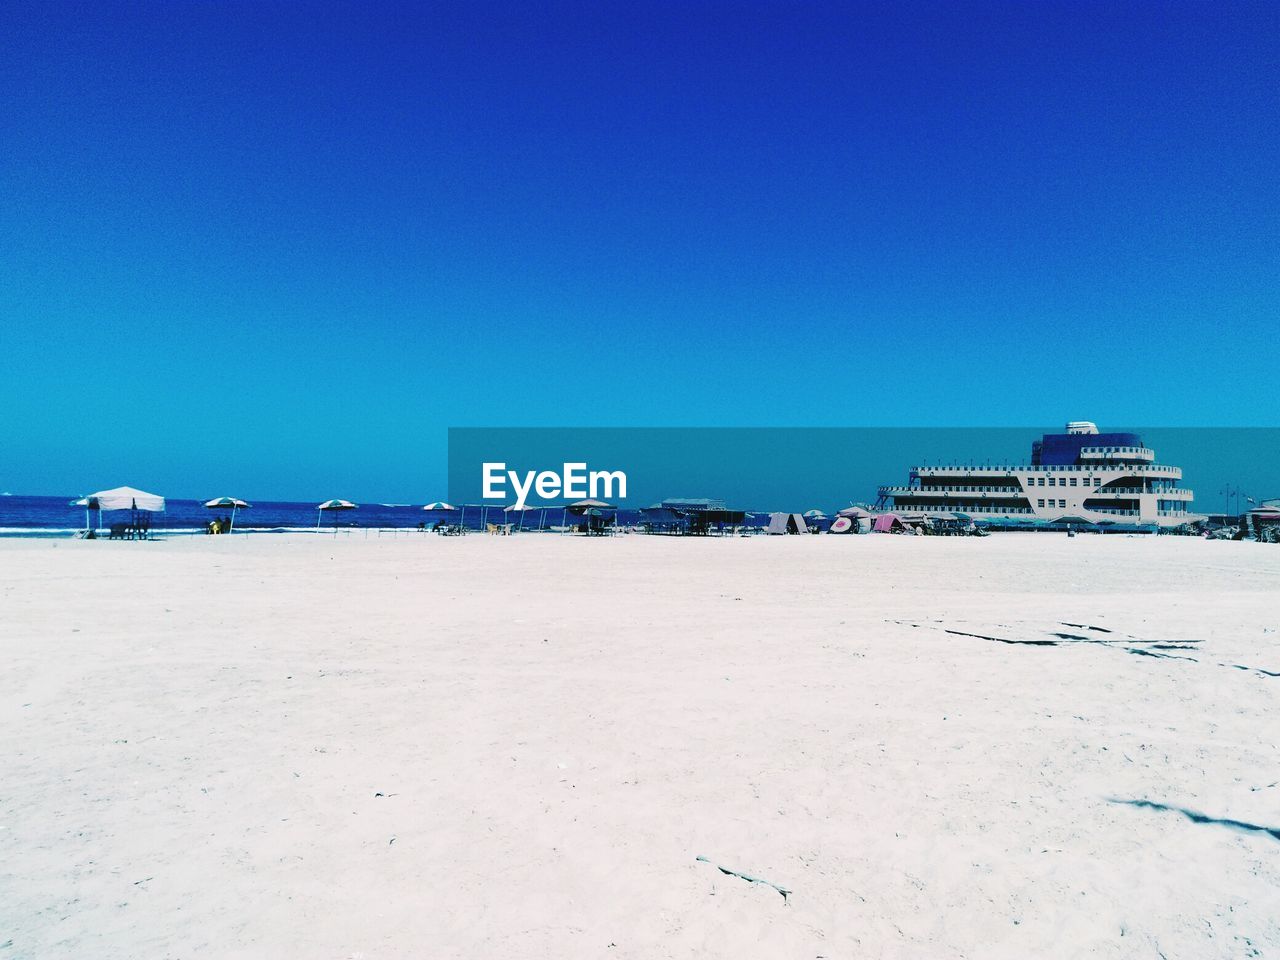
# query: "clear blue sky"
(277, 249)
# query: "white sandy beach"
(296, 746)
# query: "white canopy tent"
(127, 498)
(122, 498)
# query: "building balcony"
(1174, 493)
(983, 470)
(1118, 453)
(949, 489)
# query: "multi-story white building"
(1080, 476)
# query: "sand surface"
(295, 746)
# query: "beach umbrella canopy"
(1070, 518)
(439, 505)
(127, 498)
(332, 505)
(89, 504)
(227, 503)
(582, 506)
(816, 514)
(517, 508)
(853, 512)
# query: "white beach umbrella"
(228, 503)
(332, 505)
(88, 504)
(583, 508)
(522, 509)
(439, 505)
(853, 512)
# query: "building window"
(1062, 503)
(1039, 503)
(1073, 481)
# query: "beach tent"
(227, 503)
(888, 523)
(125, 498)
(332, 505)
(780, 523)
(122, 498)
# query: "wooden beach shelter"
(332, 505)
(227, 503)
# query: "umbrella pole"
(232, 527)
(319, 513)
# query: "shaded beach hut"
(332, 505)
(227, 503)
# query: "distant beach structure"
(1075, 478)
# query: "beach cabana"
(332, 505)
(227, 503)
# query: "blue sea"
(54, 517)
